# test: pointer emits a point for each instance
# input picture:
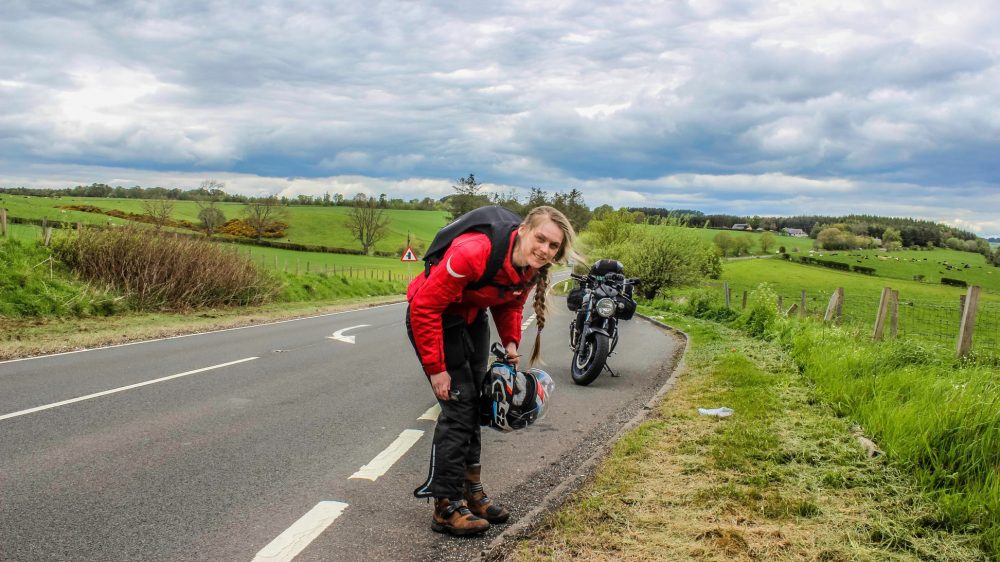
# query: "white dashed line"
(526, 323)
(295, 538)
(388, 457)
(432, 413)
(114, 390)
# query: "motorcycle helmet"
(513, 399)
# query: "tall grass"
(158, 272)
(32, 286)
(935, 416)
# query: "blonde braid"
(541, 306)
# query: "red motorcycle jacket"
(444, 292)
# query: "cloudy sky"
(747, 107)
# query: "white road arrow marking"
(339, 334)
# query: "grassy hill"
(790, 243)
(930, 265)
(321, 226)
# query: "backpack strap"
(499, 245)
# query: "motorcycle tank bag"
(493, 221)
(604, 267)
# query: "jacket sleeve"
(462, 264)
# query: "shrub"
(665, 258)
(953, 282)
(164, 271)
(761, 314)
(708, 304)
(863, 269)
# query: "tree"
(264, 214)
(468, 196)
(724, 242)
(210, 215)
(833, 238)
(766, 241)
(158, 210)
(368, 222)
(891, 235)
(742, 244)
(613, 229)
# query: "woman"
(446, 322)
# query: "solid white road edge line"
(123, 388)
(389, 456)
(295, 538)
(432, 413)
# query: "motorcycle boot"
(454, 517)
(479, 503)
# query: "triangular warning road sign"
(408, 255)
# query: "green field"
(310, 225)
(931, 264)
(289, 261)
(791, 244)
(927, 310)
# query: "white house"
(796, 232)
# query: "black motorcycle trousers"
(457, 438)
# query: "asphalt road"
(241, 444)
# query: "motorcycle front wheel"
(589, 358)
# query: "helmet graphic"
(514, 399)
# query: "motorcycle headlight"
(606, 307)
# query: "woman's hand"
(441, 384)
(512, 355)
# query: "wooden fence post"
(893, 313)
(792, 309)
(836, 305)
(968, 325)
(802, 305)
(744, 299)
(725, 290)
(961, 306)
(275, 263)
(781, 303)
(880, 316)
(47, 235)
(3, 222)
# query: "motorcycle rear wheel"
(589, 358)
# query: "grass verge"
(784, 478)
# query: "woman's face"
(538, 246)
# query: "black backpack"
(493, 221)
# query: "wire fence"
(915, 318)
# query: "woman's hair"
(535, 218)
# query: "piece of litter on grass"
(722, 412)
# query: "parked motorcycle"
(600, 299)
